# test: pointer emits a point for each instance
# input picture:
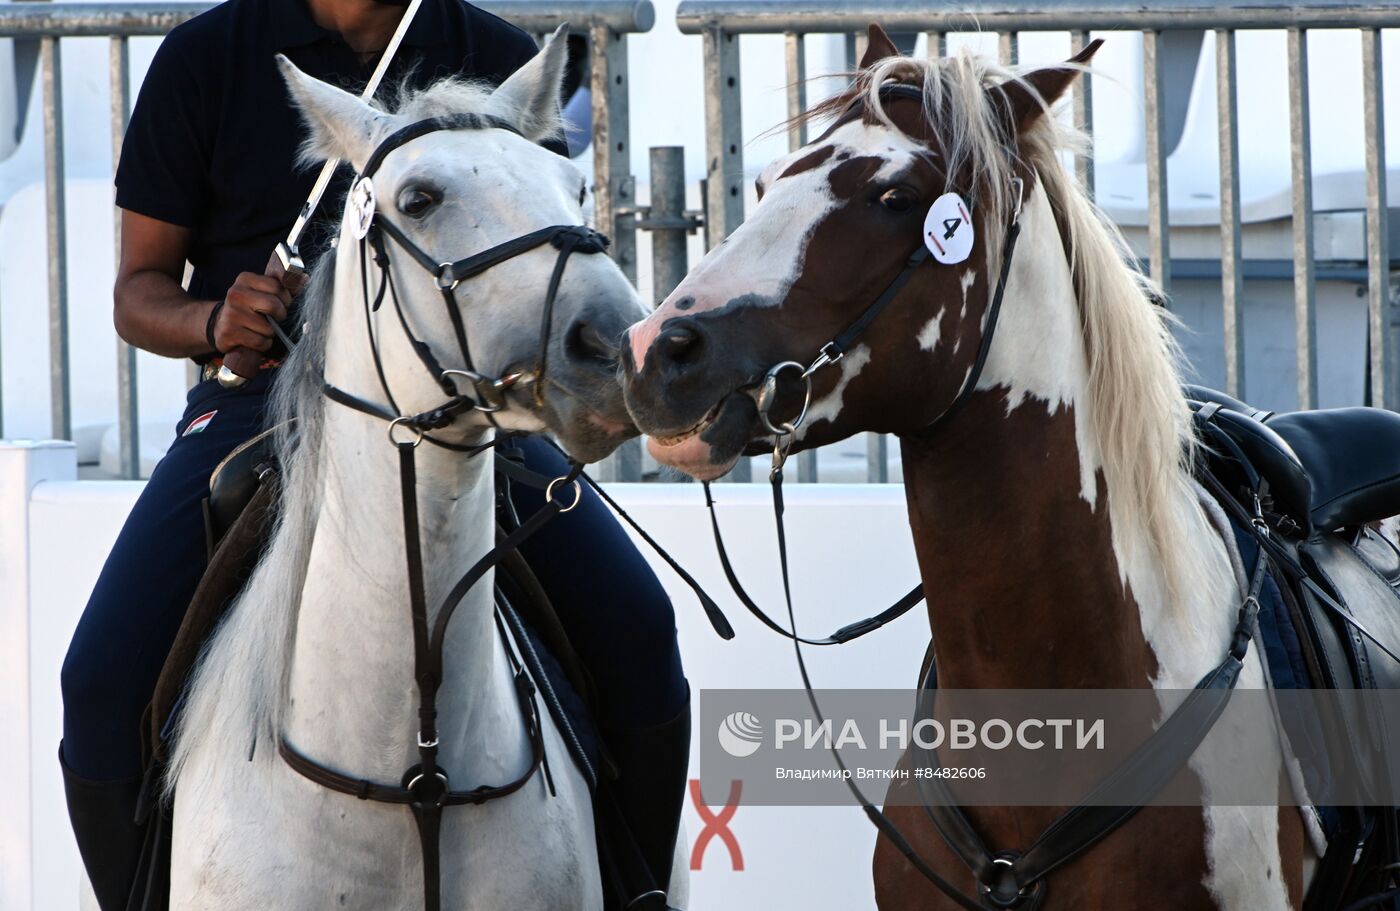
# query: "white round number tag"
(948, 229)
(361, 203)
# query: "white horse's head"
(453, 193)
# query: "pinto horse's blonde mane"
(1138, 414)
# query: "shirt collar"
(292, 25)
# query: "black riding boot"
(654, 767)
(103, 814)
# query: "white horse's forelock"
(236, 694)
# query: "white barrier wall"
(851, 554)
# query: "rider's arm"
(154, 312)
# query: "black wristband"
(209, 327)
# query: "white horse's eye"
(416, 201)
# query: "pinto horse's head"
(835, 224)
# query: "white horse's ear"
(339, 125)
(530, 97)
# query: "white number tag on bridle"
(948, 229)
(361, 203)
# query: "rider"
(208, 175)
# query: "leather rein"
(1005, 879)
(425, 787)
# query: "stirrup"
(655, 900)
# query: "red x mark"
(716, 824)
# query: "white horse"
(319, 648)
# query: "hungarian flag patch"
(199, 423)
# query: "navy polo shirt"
(213, 138)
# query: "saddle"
(1323, 481)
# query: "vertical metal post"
(614, 188)
(1083, 111)
(1231, 276)
(796, 58)
(128, 411)
(668, 244)
(1304, 291)
(937, 44)
(50, 62)
(724, 139)
(1009, 48)
(1158, 224)
(877, 458)
(724, 153)
(1383, 317)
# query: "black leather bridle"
(424, 788)
(1005, 879)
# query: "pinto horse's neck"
(1009, 512)
(1023, 587)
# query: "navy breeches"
(615, 611)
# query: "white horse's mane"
(237, 692)
(1137, 410)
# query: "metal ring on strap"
(549, 494)
(404, 422)
(768, 393)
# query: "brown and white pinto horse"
(1059, 534)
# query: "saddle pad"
(1280, 646)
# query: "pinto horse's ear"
(1033, 94)
(877, 48)
(338, 124)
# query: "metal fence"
(605, 23)
(722, 22)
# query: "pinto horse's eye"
(416, 201)
(898, 199)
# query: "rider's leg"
(621, 623)
(126, 631)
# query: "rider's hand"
(242, 320)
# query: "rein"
(424, 787)
(1005, 879)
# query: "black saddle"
(1327, 470)
(1317, 480)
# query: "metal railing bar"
(1009, 48)
(1381, 314)
(877, 458)
(825, 16)
(128, 407)
(1231, 276)
(1158, 234)
(103, 20)
(937, 43)
(51, 73)
(1304, 291)
(795, 54)
(724, 155)
(1083, 113)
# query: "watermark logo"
(740, 734)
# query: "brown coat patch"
(1024, 592)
